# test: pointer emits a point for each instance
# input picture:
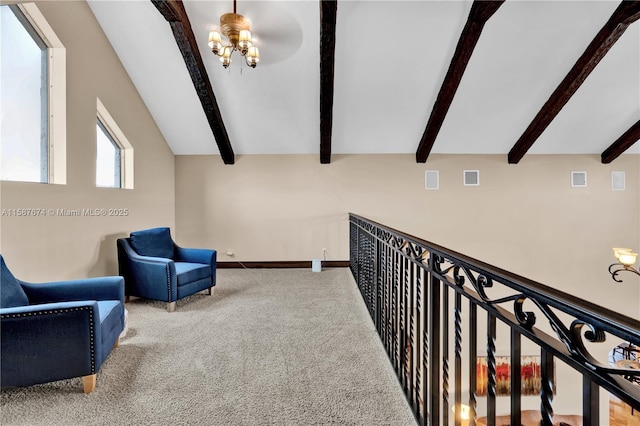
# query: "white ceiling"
(390, 60)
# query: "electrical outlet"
(229, 252)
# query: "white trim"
(40, 24)
(126, 149)
(57, 80)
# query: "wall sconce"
(626, 260)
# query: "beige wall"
(55, 247)
(525, 217)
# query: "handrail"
(520, 283)
(406, 283)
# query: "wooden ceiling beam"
(328, 13)
(175, 13)
(624, 142)
(627, 12)
(480, 13)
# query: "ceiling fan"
(265, 32)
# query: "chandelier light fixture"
(237, 29)
(626, 259)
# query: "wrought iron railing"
(414, 291)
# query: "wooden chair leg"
(89, 383)
(171, 306)
(117, 343)
(126, 299)
(210, 291)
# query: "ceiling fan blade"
(278, 33)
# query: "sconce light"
(463, 413)
(626, 260)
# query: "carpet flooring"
(270, 347)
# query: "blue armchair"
(58, 330)
(154, 267)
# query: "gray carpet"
(271, 347)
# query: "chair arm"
(195, 255)
(100, 288)
(44, 308)
(49, 342)
(152, 269)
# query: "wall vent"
(617, 181)
(578, 179)
(471, 178)
(432, 179)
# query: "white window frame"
(126, 149)
(57, 96)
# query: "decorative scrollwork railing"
(407, 284)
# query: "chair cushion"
(190, 272)
(11, 292)
(154, 242)
(105, 307)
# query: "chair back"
(155, 242)
(11, 292)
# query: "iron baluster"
(425, 348)
(546, 392)
(516, 377)
(473, 367)
(590, 402)
(445, 356)
(458, 354)
(434, 345)
(418, 348)
(491, 369)
(411, 335)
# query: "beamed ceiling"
(421, 77)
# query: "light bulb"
(215, 41)
(244, 41)
(253, 56)
(627, 258)
(618, 250)
(225, 58)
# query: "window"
(107, 159)
(24, 109)
(33, 104)
(114, 153)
